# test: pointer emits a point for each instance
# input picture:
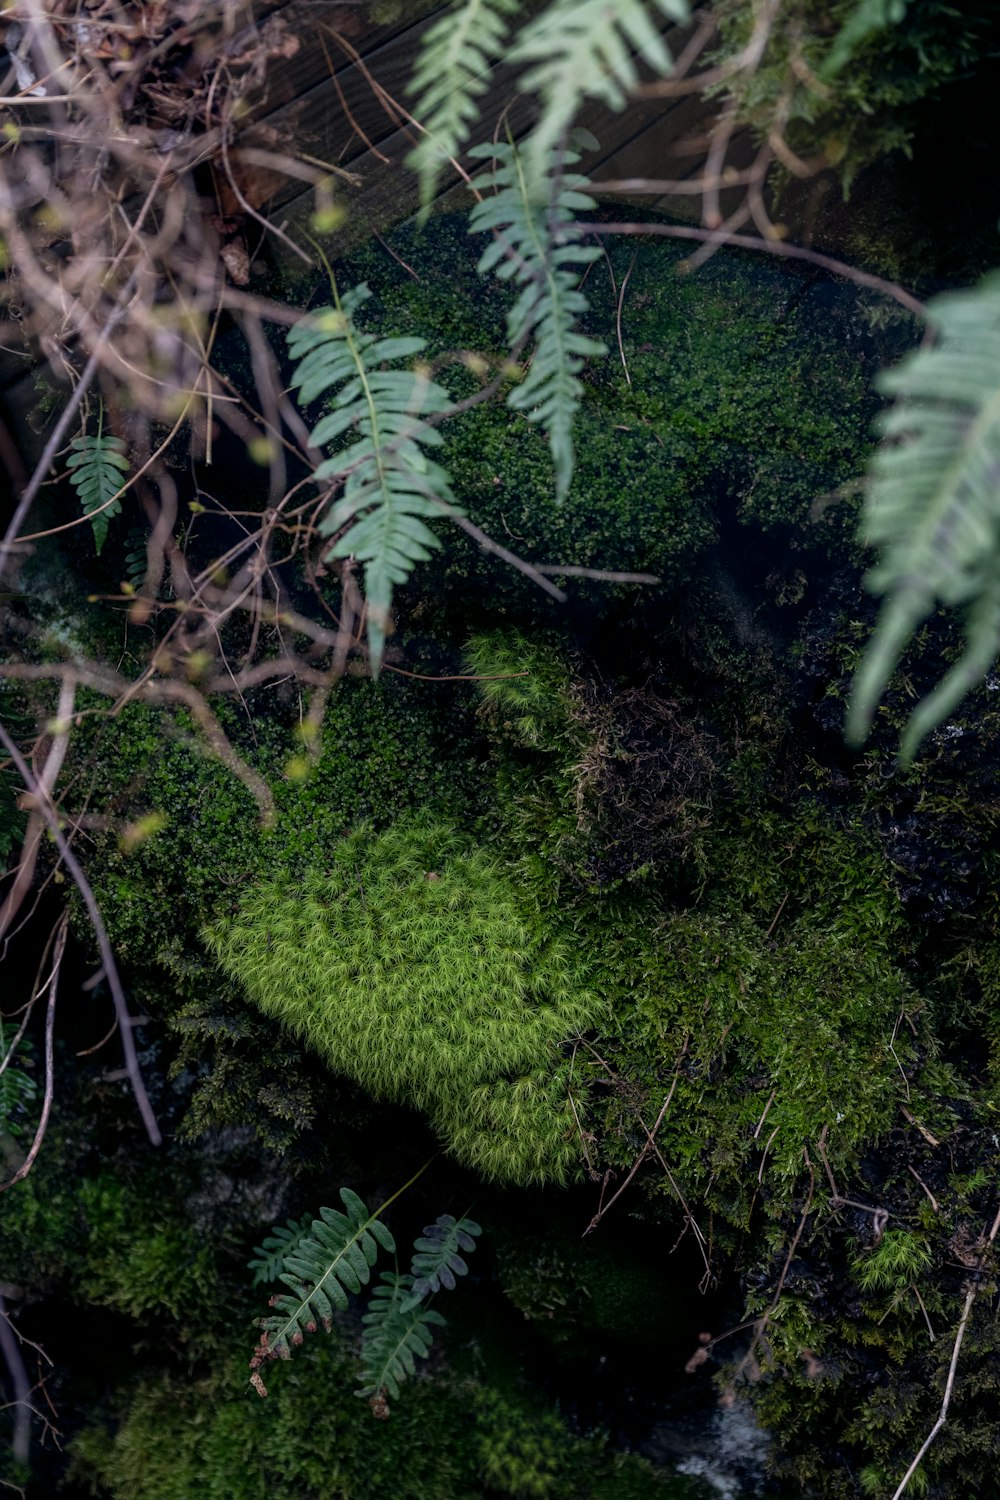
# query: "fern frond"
(98, 466)
(268, 1260)
(537, 247)
(334, 1258)
(451, 72)
(390, 485)
(17, 1088)
(589, 49)
(397, 1332)
(867, 19)
(136, 558)
(933, 505)
(437, 1262)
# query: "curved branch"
(19, 1379)
(771, 247)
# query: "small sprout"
(142, 829)
(332, 321)
(476, 364)
(328, 218)
(297, 768)
(197, 665)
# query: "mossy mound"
(413, 966)
(451, 1440)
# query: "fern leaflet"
(537, 245)
(97, 468)
(933, 505)
(17, 1088)
(589, 49)
(453, 69)
(136, 559)
(334, 1258)
(390, 484)
(397, 1333)
(867, 19)
(437, 1261)
(268, 1260)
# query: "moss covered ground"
(662, 920)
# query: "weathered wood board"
(345, 119)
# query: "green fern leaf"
(437, 1260)
(397, 1332)
(269, 1259)
(17, 1089)
(590, 49)
(136, 558)
(334, 1258)
(537, 247)
(452, 71)
(98, 466)
(867, 19)
(378, 418)
(933, 505)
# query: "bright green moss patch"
(412, 966)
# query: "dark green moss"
(383, 750)
(743, 403)
(448, 1440)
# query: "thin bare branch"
(769, 247)
(50, 1016)
(72, 864)
(21, 1441)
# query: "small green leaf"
(97, 466)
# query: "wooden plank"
(388, 193)
(741, 153)
(333, 120)
(339, 120)
(314, 23)
(656, 148)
